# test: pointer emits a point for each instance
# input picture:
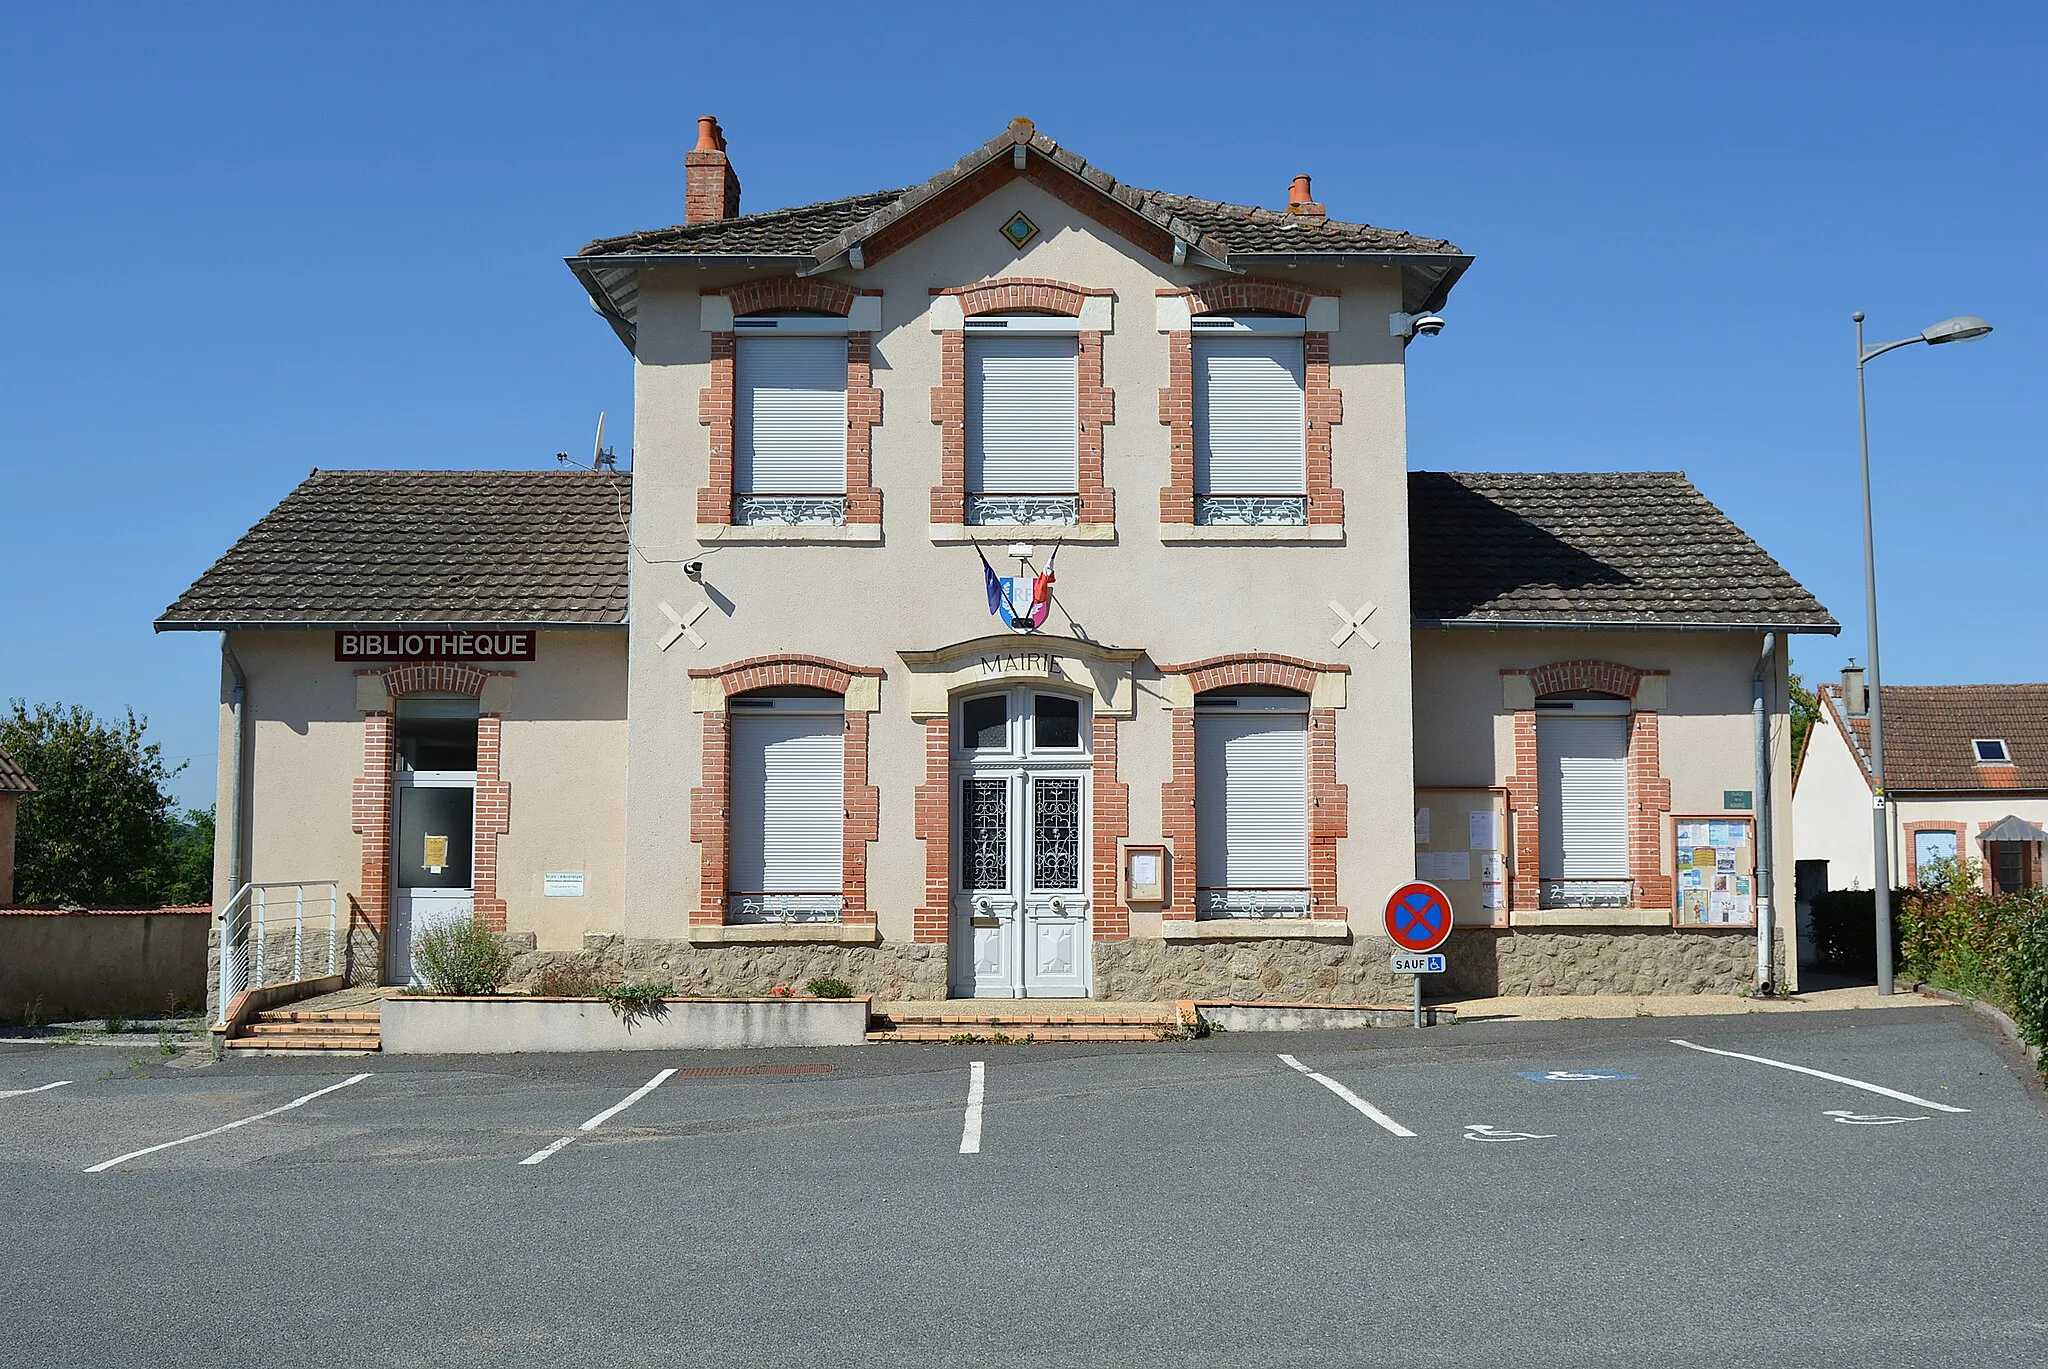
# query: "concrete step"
(1045, 1019)
(336, 1015)
(997, 1033)
(304, 1044)
(261, 1027)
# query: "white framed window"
(1251, 805)
(1023, 420)
(787, 814)
(789, 424)
(1251, 420)
(1582, 803)
(1991, 751)
(1929, 847)
(1021, 723)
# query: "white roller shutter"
(1023, 415)
(1251, 800)
(1582, 796)
(788, 803)
(1251, 426)
(789, 415)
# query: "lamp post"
(1961, 329)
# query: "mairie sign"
(1418, 916)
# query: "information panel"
(1716, 861)
(1461, 846)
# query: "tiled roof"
(1928, 730)
(1641, 547)
(469, 547)
(1249, 228)
(791, 232)
(13, 779)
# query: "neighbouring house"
(14, 786)
(1966, 775)
(1019, 590)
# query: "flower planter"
(516, 1024)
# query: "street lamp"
(1960, 329)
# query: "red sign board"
(431, 644)
(1418, 917)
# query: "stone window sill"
(771, 933)
(1023, 532)
(709, 533)
(1592, 917)
(1257, 532)
(1255, 929)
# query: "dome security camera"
(1428, 324)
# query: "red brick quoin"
(949, 397)
(863, 400)
(711, 801)
(1329, 801)
(1324, 403)
(1649, 792)
(370, 797)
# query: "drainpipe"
(233, 827)
(1761, 715)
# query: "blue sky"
(251, 240)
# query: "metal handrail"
(245, 933)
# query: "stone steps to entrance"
(300, 1031)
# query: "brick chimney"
(711, 191)
(1299, 201)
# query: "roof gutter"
(1450, 266)
(384, 625)
(624, 320)
(1580, 625)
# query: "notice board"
(1461, 846)
(1716, 857)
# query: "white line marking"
(40, 1088)
(1823, 1074)
(1348, 1096)
(594, 1123)
(970, 1131)
(1486, 1131)
(230, 1126)
(1863, 1119)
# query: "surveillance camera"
(694, 570)
(1428, 324)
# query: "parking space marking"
(1823, 1074)
(298, 1102)
(40, 1088)
(1348, 1096)
(970, 1130)
(594, 1123)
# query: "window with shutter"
(789, 430)
(1251, 808)
(1582, 805)
(787, 814)
(1023, 429)
(1251, 430)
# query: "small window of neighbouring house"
(1991, 751)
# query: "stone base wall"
(1482, 963)
(895, 970)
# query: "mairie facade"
(1019, 590)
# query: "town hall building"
(1018, 590)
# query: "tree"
(191, 857)
(1805, 710)
(98, 829)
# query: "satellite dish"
(597, 447)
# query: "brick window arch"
(711, 801)
(371, 800)
(1328, 814)
(1323, 402)
(1019, 294)
(716, 402)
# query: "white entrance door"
(1021, 902)
(431, 862)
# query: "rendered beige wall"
(1464, 732)
(862, 604)
(64, 966)
(563, 753)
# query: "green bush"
(825, 986)
(632, 1003)
(2030, 983)
(462, 958)
(1992, 947)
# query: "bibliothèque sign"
(408, 644)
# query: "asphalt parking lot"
(1561, 1193)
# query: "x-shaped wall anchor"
(682, 622)
(1354, 623)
